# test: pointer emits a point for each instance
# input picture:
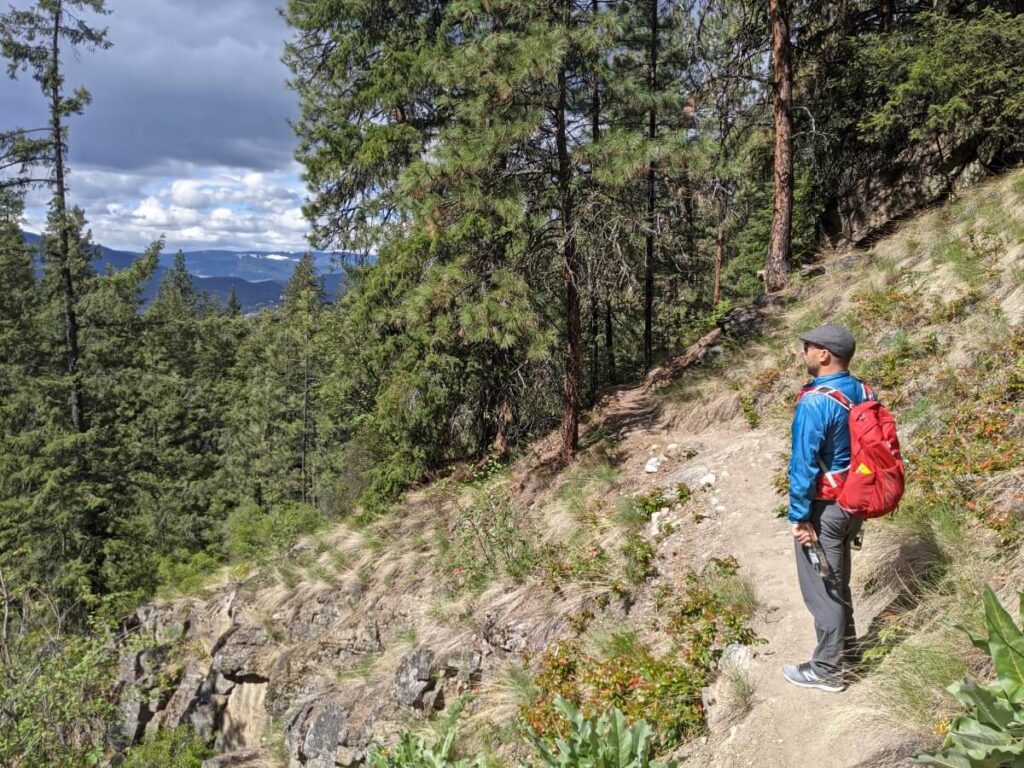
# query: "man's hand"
(805, 533)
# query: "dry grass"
(737, 691)
(501, 697)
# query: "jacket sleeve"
(808, 435)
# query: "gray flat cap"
(834, 338)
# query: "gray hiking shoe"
(805, 676)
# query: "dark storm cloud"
(193, 81)
(200, 82)
(188, 133)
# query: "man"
(821, 459)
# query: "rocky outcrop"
(875, 191)
(230, 671)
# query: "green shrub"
(185, 572)
(991, 732)
(651, 503)
(639, 554)
(58, 703)
(604, 741)
(626, 673)
(415, 752)
(489, 538)
(748, 404)
(711, 613)
(252, 533)
(177, 748)
(588, 561)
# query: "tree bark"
(782, 87)
(595, 95)
(609, 342)
(716, 295)
(570, 272)
(63, 238)
(689, 210)
(886, 12)
(594, 353)
(595, 135)
(305, 417)
(652, 133)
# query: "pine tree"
(32, 39)
(725, 123)
(374, 64)
(233, 306)
(782, 94)
(272, 420)
(22, 366)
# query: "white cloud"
(202, 207)
(189, 193)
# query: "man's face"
(814, 358)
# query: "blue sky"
(188, 133)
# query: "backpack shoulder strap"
(831, 392)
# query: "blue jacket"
(820, 429)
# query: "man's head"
(827, 349)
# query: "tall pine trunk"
(595, 135)
(609, 341)
(570, 272)
(886, 12)
(594, 354)
(716, 295)
(782, 86)
(63, 236)
(652, 133)
(306, 482)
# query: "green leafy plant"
(683, 493)
(748, 404)
(662, 688)
(416, 752)
(485, 539)
(991, 732)
(177, 748)
(253, 533)
(652, 502)
(639, 554)
(628, 675)
(602, 741)
(58, 702)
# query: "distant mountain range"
(258, 277)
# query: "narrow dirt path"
(786, 726)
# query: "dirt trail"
(786, 725)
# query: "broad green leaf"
(978, 641)
(618, 738)
(976, 739)
(1007, 645)
(989, 708)
(944, 761)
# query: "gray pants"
(831, 604)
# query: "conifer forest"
(532, 204)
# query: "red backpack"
(873, 484)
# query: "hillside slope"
(644, 558)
